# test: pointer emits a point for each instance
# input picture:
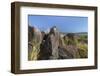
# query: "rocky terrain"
(55, 45)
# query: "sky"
(63, 23)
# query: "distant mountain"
(77, 33)
(82, 33)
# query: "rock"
(34, 41)
(34, 34)
(73, 50)
(64, 54)
(49, 46)
(45, 48)
(54, 38)
(30, 33)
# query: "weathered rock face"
(30, 33)
(34, 34)
(30, 37)
(49, 45)
(34, 41)
(64, 54)
(73, 51)
(45, 48)
(54, 38)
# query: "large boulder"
(54, 38)
(45, 48)
(49, 45)
(34, 34)
(34, 41)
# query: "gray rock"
(45, 48)
(54, 38)
(73, 50)
(49, 45)
(64, 54)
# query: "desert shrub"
(77, 55)
(72, 40)
(83, 38)
(65, 41)
(83, 50)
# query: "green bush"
(83, 38)
(83, 50)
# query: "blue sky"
(63, 23)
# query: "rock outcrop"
(34, 41)
(49, 45)
(53, 45)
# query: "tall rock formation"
(34, 41)
(49, 45)
(54, 38)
